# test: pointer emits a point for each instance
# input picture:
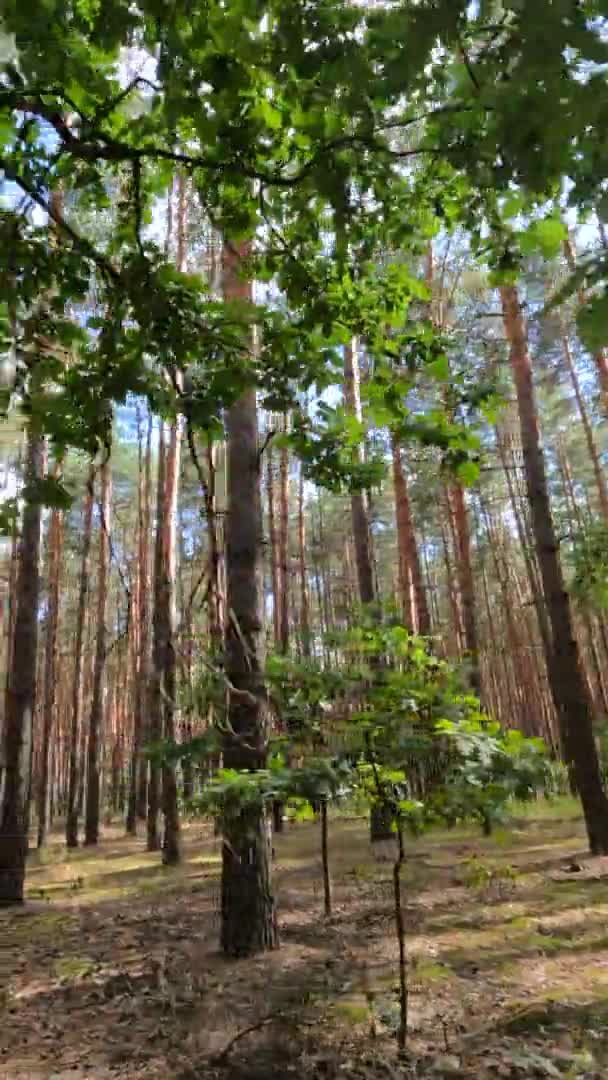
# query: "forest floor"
(112, 970)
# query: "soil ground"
(111, 969)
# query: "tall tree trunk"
(565, 672)
(455, 495)
(530, 564)
(96, 716)
(360, 518)
(409, 561)
(55, 553)
(452, 593)
(283, 641)
(171, 847)
(15, 753)
(139, 767)
(600, 357)
(155, 689)
(598, 473)
(304, 603)
(144, 626)
(273, 541)
(248, 910)
(71, 825)
(380, 821)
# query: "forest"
(303, 539)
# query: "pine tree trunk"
(380, 824)
(600, 357)
(171, 846)
(15, 753)
(283, 641)
(248, 910)
(140, 618)
(144, 627)
(55, 553)
(304, 604)
(409, 561)
(274, 555)
(96, 717)
(565, 672)
(530, 564)
(465, 580)
(155, 705)
(71, 825)
(452, 594)
(361, 531)
(598, 473)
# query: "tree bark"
(409, 560)
(360, 518)
(55, 553)
(21, 694)
(272, 537)
(71, 825)
(600, 357)
(598, 473)
(171, 846)
(466, 583)
(96, 718)
(283, 641)
(139, 767)
(155, 707)
(380, 825)
(248, 910)
(564, 666)
(304, 603)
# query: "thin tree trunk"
(139, 770)
(272, 537)
(531, 567)
(600, 479)
(361, 531)
(96, 718)
(600, 357)
(565, 672)
(462, 535)
(55, 553)
(77, 699)
(283, 640)
(409, 561)
(248, 910)
(15, 753)
(452, 596)
(155, 708)
(380, 824)
(171, 845)
(304, 603)
(325, 859)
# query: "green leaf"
(592, 322)
(439, 369)
(546, 236)
(468, 472)
(7, 130)
(48, 491)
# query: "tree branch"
(79, 241)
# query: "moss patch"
(74, 967)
